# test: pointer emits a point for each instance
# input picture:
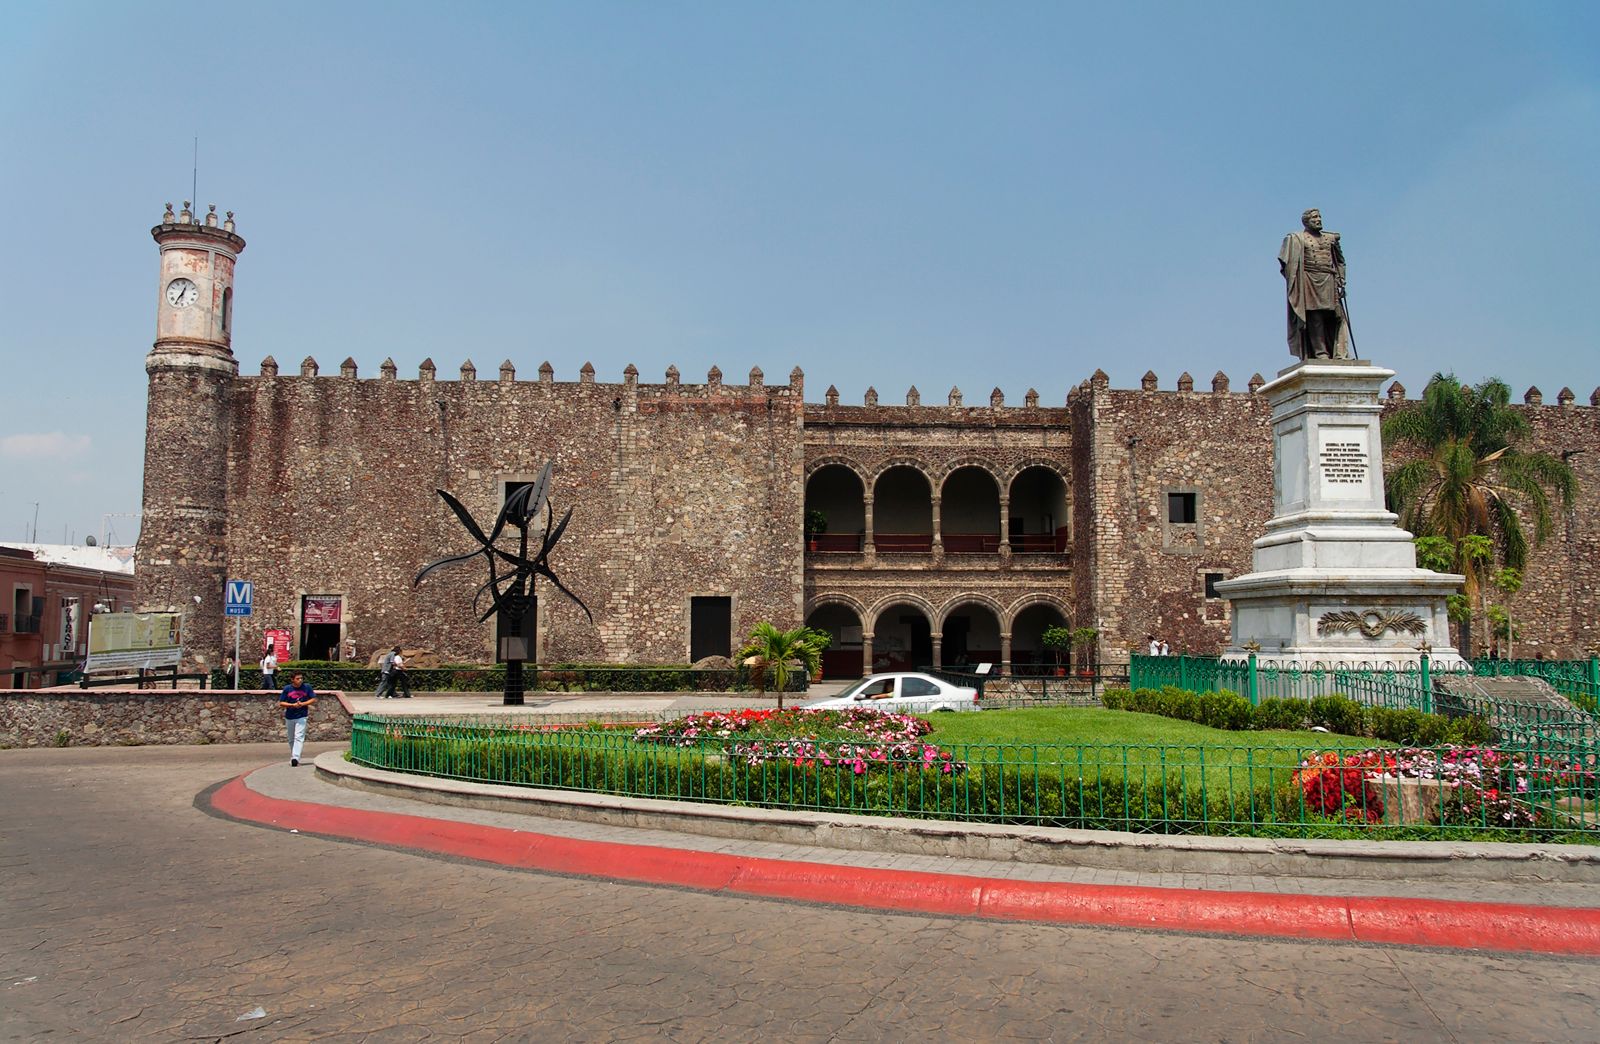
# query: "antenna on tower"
(194, 182)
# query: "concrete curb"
(1382, 920)
(1099, 849)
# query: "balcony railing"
(902, 543)
(1039, 543)
(27, 625)
(971, 543)
(835, 543)
(5, 623)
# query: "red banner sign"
(324, 609)
(277, 642)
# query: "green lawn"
(1137, 746)
(1074, 725)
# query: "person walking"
(296, 700)
(269, 670)
(397, 675)
(385, 688)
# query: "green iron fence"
(1513, 794)
(1401, 686)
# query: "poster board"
(130, 641)
(276, 641)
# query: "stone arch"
(989, 602)
(901, 644)
(844, 619)
(901, 461)
(1039, 508)
(972, 629)
(848, 601)
(970, 501)
(864, 473)
(1063, 472)
(835, 495)
(1029, 618)
(905, 598)
(970, 461)
(1038, 598)
(902, 508)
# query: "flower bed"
(855, 738)
(1449, 785)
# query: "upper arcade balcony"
(970, 515)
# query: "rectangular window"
(1181, 508)
(710, 628)
(1211, 580)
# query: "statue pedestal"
(1335, 581)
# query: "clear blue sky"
(888, 194)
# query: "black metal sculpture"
(509, 591)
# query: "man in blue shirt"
(296, 701)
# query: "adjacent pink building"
(47, 594)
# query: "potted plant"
(1059, 641)
(1084, 637)
(816, 525)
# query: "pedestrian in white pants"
(296, 700)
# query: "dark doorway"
(320, 619)
(530, 633)
(710, 628)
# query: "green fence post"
(1427, 686)
(1255, 692)
(1183, 672)
(1594, 673)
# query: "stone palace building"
(956, 531)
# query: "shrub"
(1275, 712)
(1116, 699)
(1225, 710)
(1338, 714)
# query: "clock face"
(181, 293)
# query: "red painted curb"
(1568, 931)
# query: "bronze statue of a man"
(1312, 264)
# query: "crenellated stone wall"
(678, 490)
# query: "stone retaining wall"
(129, 717)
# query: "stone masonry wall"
(1145, 574)
(126, 717)
(679, 490)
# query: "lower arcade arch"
(970, 636)
(902, 638)
(843, 656)
(1028, 652)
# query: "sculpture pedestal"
(1335, 580)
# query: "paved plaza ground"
(127, 913)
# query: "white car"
(904, 693)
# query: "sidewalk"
(647, 706)
(1562, 918)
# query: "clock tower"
(182, 552)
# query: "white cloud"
(43, 445)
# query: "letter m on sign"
(238, 597)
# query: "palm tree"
(1469, 479)
(770, 649)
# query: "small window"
(915, 688)
(1212, 579)
(227, 312)
(1181, 508)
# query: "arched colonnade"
(967, 508)
(906, 631)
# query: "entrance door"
(710, 628)
(321, 617)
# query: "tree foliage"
(1470, 486)
(769, 650)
